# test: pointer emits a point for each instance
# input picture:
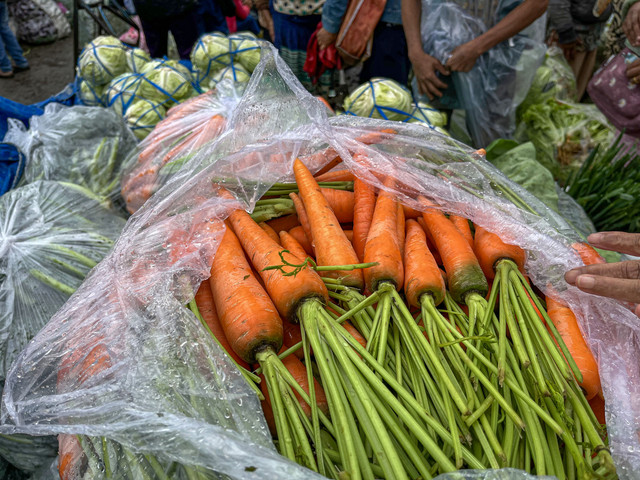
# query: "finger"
(618, 288)
(622, 242)
(441, 68)
(434, 90)
(423, 86)
(635, 27)
(435, 81)
(630, 269)
(633, 71)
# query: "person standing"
(389, 54)
(9, 46)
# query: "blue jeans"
(8, 41)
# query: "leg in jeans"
(156, 33)
(185, 32)
(9, 42)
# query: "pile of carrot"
(395, 343)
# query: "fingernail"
(586, 281)
(595, 237)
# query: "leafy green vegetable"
(234, 73)
(380, 98)
(425, 113)
(137, 59)
(142, 115)
(102, 60)
(89, 95)
(247, 51)
(122, 91)
(169, 81)
(211, 54)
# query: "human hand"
(325, 38)
(633, 72)
(266, 21)
(424, 68)
(464, 57)
(570, 49)
(619, 280)
(631, 25)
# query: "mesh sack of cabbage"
(51, 235)
(86, 146)
(216, 56)
(134, 374)
(188, 128)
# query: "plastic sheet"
(505, 72)
(82, 145)
(161, 364)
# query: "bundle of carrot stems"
(395, 343)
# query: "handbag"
(355, 36)
(616, 97)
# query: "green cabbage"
(137, 59)
(123, 91)
(142, 115)
(234, 73)
(425, 113)
(210, 54)
(102, 60)
(168, 81)
(392, 100)
(91, 96)
(247, 52)
(246, 34)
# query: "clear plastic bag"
(86, 146)
(505, 72)
(162, 367)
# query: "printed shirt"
(298, 7)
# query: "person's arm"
(562, 22)
(424, 65)
(264, 16)
(631, 24)
(464, 57)
(333, 12)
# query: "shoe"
(8, 74)
(18, 69)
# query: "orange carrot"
(422, 275)
(247, 314)
(71, 455)
(364, 205)
(587, 253)
(430, 243)
(293, 336)
(298, 234)
(490, 249)
(462, 224)
(401, 228)
(383, 245)
(349, 235)
(287, 292)
(598, 406)
(463, 271)
(290, 243)
(567, 325)
(303, 217)
(411, 213)
(341, 202)
(331, 245)
(270, 231)
(285, 223)
(335, 176)
(334, 160)
(207, 309)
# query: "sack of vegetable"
(140, 386)
(51, 235)
(85, 146)
(188, 128)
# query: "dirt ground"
(52, 68)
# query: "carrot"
(462, 224)
(71, 457)
(331, 245)
(293, 336)
(325, 102)
(285, 223)
(270, 231)
(334, 160)
(463, 271)
(349, 235)
(364, 200)
(290, 243)
(430, 243)
(287, 292)
(489, 250)
(383, 245)
(303, 217)
(598, 406)
(335, 176)
(401, 228)
(567, 325)
(247, 314)
(298, 234)
(411, 213)
(341, 202)
(587, 253)
(355, 334)
(422, 275)
(207, 309)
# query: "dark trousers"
(389, 55)
(185, 30)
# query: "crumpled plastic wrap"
(162, 367)
(86, 146)
(505, 72)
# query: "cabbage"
(167, 81)
(102, 60)
(425, 113)
(233, 73)
(142, 115)
(247, 51)
(91, 96)
(392, 100)
(210, 54)
(123, 91)
(246, 34)
(137, 59)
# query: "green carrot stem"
(508, 308)
(80, 258)
(478, 412)
(313, 404)
(80, 274)
(52, 282)
(555, 461)
(293, 412)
